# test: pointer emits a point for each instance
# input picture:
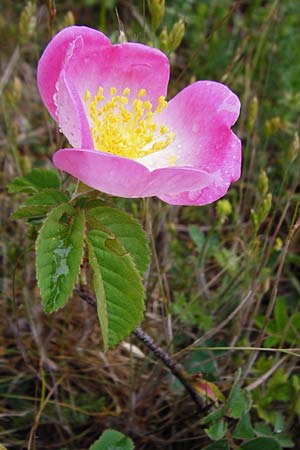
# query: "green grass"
(223, 291)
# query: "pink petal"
(201, 116)
(125, 177)
(219, 185)
(53, 58)
(124, 65)
(71, 114)
(80, 59)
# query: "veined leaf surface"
(118, 286)
(38, 204)
(59, 252)
(113, 440)
(128, 231)
(35, 181)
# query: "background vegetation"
(223, 291)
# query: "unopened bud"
(14, 92)
(224, 209)
(176, 35)
(263, 183)
(25, 165)
(272, 126)
(27, 23)
(122, 39)
(254, 220)
(278, 244)
(267, 128)
(164, 41)
(276, 123)
(253, 108)
(17, 87)
(192, 79)
(264, 208)
(69, 19)
(157, 11)
(294, 148)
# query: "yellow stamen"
(128, 130)
(142, 93)
(87, 96)
(126, 92)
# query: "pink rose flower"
(109, 101)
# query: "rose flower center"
(127, 129)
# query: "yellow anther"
(87, 96)
(149, 115)
(152, 126)
(131, 131)
(126, 92)
(99, 95)
(161, 104)
(136, 102)
(124, 100)
(142, 93)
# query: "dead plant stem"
(161, 354)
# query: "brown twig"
(164, 357)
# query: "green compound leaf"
(100, 295)
(263, 430)
(261, 443)
(38, 204)
(29, 212)
(59, 252)
(113, 440)
(35, 181)
(214, 416)
(217, 430)
(47, 197)
(244, 429)
(117, 283)
(238, 403)
(128, 231)
(221, 445)
(239, 400)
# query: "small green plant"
(112, 440)
(230, 425)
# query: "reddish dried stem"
(161, 354)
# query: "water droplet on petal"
(55, 98)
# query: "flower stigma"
(127, 129)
